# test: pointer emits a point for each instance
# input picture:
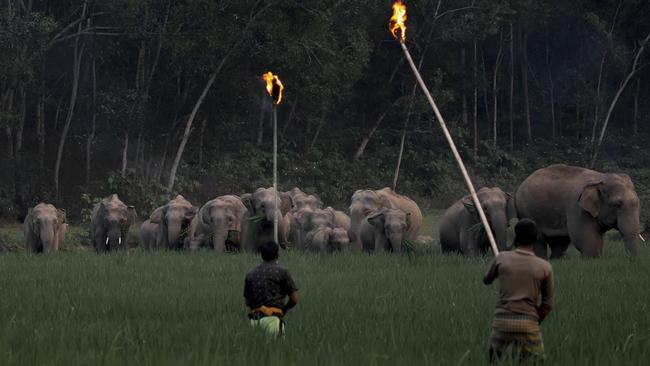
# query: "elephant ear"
(206, 212)
(408, 220)
(247, 200)
(469, 205)
(157, 216)
(132, 214)
(511, 209)
(376, 218)
(385, 202)
(590, 199)
(60, 216)
(286, 202)
(192, 212)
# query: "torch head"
(274, 87)
(397, 24)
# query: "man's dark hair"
(269, 251)
(525, 232)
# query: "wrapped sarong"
(269, 319)
(517, 334)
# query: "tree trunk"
(495, 91)
(40, 131)
(511, 115)
(19, 190)
(475, 100)
(597, 101)
(551, 87)
(617, 96)
(463, 97)
(635, 128)
(125, 153)
(91, 136)
(78, 53)
(579, 126)
(292, 114)
(486, 103)
(202, 131)
(365, 140)
(320, 126)
(524, 81)
(9, 105)
(260, 122)
(188, 125)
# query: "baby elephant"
(327, 240)
(385, 230)
(44, 228)
(460, 226)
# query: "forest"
(149, 98)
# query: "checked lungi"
(518, 334)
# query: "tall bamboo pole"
(275, 173)
(454, 150)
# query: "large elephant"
(316, 229)
(577, 205)
(110, 222)
(364, 202)
(44, 228)
(218, 224)
(385, 230)
(173, 223)
(301, 202)
(257, 223)
(457, 233)
(149, 234)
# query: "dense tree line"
(151, 97)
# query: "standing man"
(265, 290)
(525, 296)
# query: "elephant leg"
(558, 246)
(540, 247)
(381, 242)
(468, 245)
(586, 237)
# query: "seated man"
(525, 296)
(265, 289)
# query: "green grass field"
(164, 308)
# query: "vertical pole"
(275, 173)
(459, 160)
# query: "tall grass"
(187, 308)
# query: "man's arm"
(293, 301)
(547, 289)
(492, 273)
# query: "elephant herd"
(569, 204)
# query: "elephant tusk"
(119, 241)
(642, 238)
(107, 241)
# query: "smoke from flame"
(398, 21)
(274, 87)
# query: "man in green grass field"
(525, 297)
(265, 290)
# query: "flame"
(398, 20)
(274, 87)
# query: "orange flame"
(398, 20)
(274, 87)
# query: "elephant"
(149, 234)
(385, 230)
(110, 221)
(364, 202)
(577, 205)
(309, 222)
(326, 240)
(257, 223)
(301, 202)
(457, 223)
(218, 224)
(44, 228)
(173, 223)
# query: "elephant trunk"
(395, 240)
(320, 239)
(114, 237)
(499, 226)
(48, 237)
(630, 228)
(219, 237)
(174, 231)
(357, 215)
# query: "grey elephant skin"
(44, 228)
(302, 203)
(168, 225)
(218, 225)
(365, 202)
(385, 230)
(110, 222)
(323, 230)
(577, 205)
(458, 226)
(257, 223)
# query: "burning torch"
(397, 26)
(274, 87)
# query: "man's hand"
(293, 301)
